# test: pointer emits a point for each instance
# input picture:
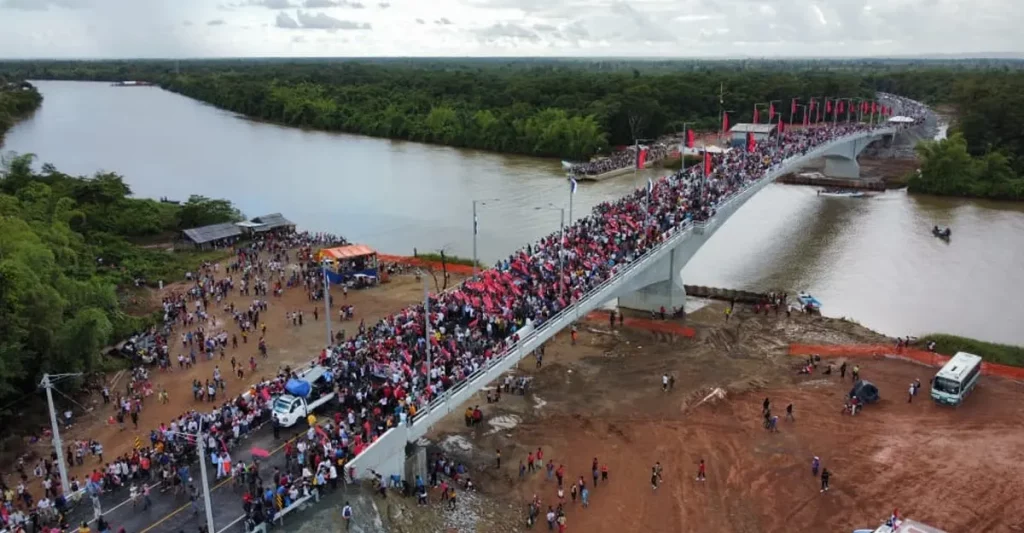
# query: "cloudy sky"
(664, 28)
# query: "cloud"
(269, 4)
(186, 23)
(319, 3)
(420, 21)
(509, 31)
(318, 21)
(298, 39)
(321, 21)
(42, 5)
(285, 21)
(383, 5)
(443, 21)
(216, 22)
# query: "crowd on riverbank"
(626, 158)
(380, 372)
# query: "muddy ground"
(602, 398)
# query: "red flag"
(874, 107)
(792, 107)
(840, 106)
(707, 163)
(756, 115)
(807, 118)
(782, 125)
(751, 142)
(771, 111)
(641, 158)
(811, 107)
(689, 138)
(828, 106)
(725, 121)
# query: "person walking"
(654, 478)
(701, 473)
(346, 515)
(815, 465)
(842, 370)
(825, 475)
(910, 393)
(789, 413)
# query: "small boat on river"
(943, 234)
(843, 193)
(809, 302)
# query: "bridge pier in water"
(841, 159)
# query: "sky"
(594, 28)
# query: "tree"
(202, 211)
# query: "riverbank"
(18, 100)
(600, 398)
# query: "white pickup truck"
(901, 526)
(304, 395)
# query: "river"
(871, 260)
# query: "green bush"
(1004, 354)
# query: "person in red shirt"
(529, 462)
(701, 472)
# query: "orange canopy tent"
(347, 252)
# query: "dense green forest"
(68, 263)
(548, 107)
(984, 154)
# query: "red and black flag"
(689, 138)
(751, 142)
(725, 121)
(707, 163)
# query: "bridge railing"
(543, 329)
(537, 333)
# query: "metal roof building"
(214, 232)
(761, 132)
(272, 221)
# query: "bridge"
(651, 281)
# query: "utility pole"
(426, 330)
(47, 383)
(327, 303)
(201, 449)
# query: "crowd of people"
(626, 158)
(380, 372)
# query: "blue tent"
(298, 387)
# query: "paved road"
(170, 514)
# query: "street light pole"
(47, 384)
(327, 304)
(561, 246)
(476, 224)
(426, 330)
(201, 449)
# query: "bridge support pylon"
(842, 167)
(661, 285)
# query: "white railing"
(595, 297)
(533, 335)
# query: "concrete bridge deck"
(651, 281)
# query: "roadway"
(170, 514)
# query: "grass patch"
(989, 351)
(450, 259)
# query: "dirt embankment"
(602, 399)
